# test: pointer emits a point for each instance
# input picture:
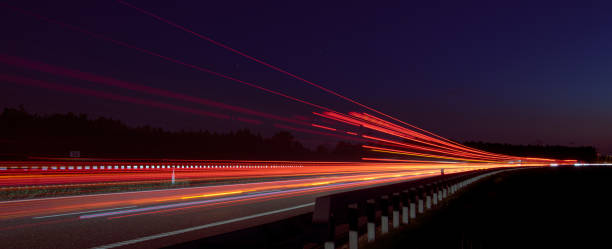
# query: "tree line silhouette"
(584, 153)
(23, 134)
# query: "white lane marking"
(231, 198)
(161, 235)
(84, 212)
(194, 203)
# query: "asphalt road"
(157, 218)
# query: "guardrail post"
(421, 198)
(331, 233)
(413, 202)
(371, 213)
(384, 217)
(434, 190)
(428, 196)
(405, 197)
(353, 220)
(439, 187)
(456, 185)
(445, 190)
(396, 204)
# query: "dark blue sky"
(519, 72)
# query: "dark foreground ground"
(564, 207)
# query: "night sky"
(516, 72)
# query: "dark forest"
(23, 134)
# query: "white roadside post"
(329, 245)
(414, 196)
(353, 216)
(434, 190)
(384, 218)
(405, 206)
(331, 234)
(395, 199)
(445, 190)
(421, 197)
(371, 213)
(428, 196)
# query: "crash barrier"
(395, 202)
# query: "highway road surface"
(157, 218)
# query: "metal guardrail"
(410, 198)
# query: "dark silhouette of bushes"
(23, 134)
(585, 153)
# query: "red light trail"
(329, 175)
(443, 146)
(324, 127)
(176, 61)
(90, 77)
(389, 127)
(116, 97)
(214, 186)
(183, 28)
